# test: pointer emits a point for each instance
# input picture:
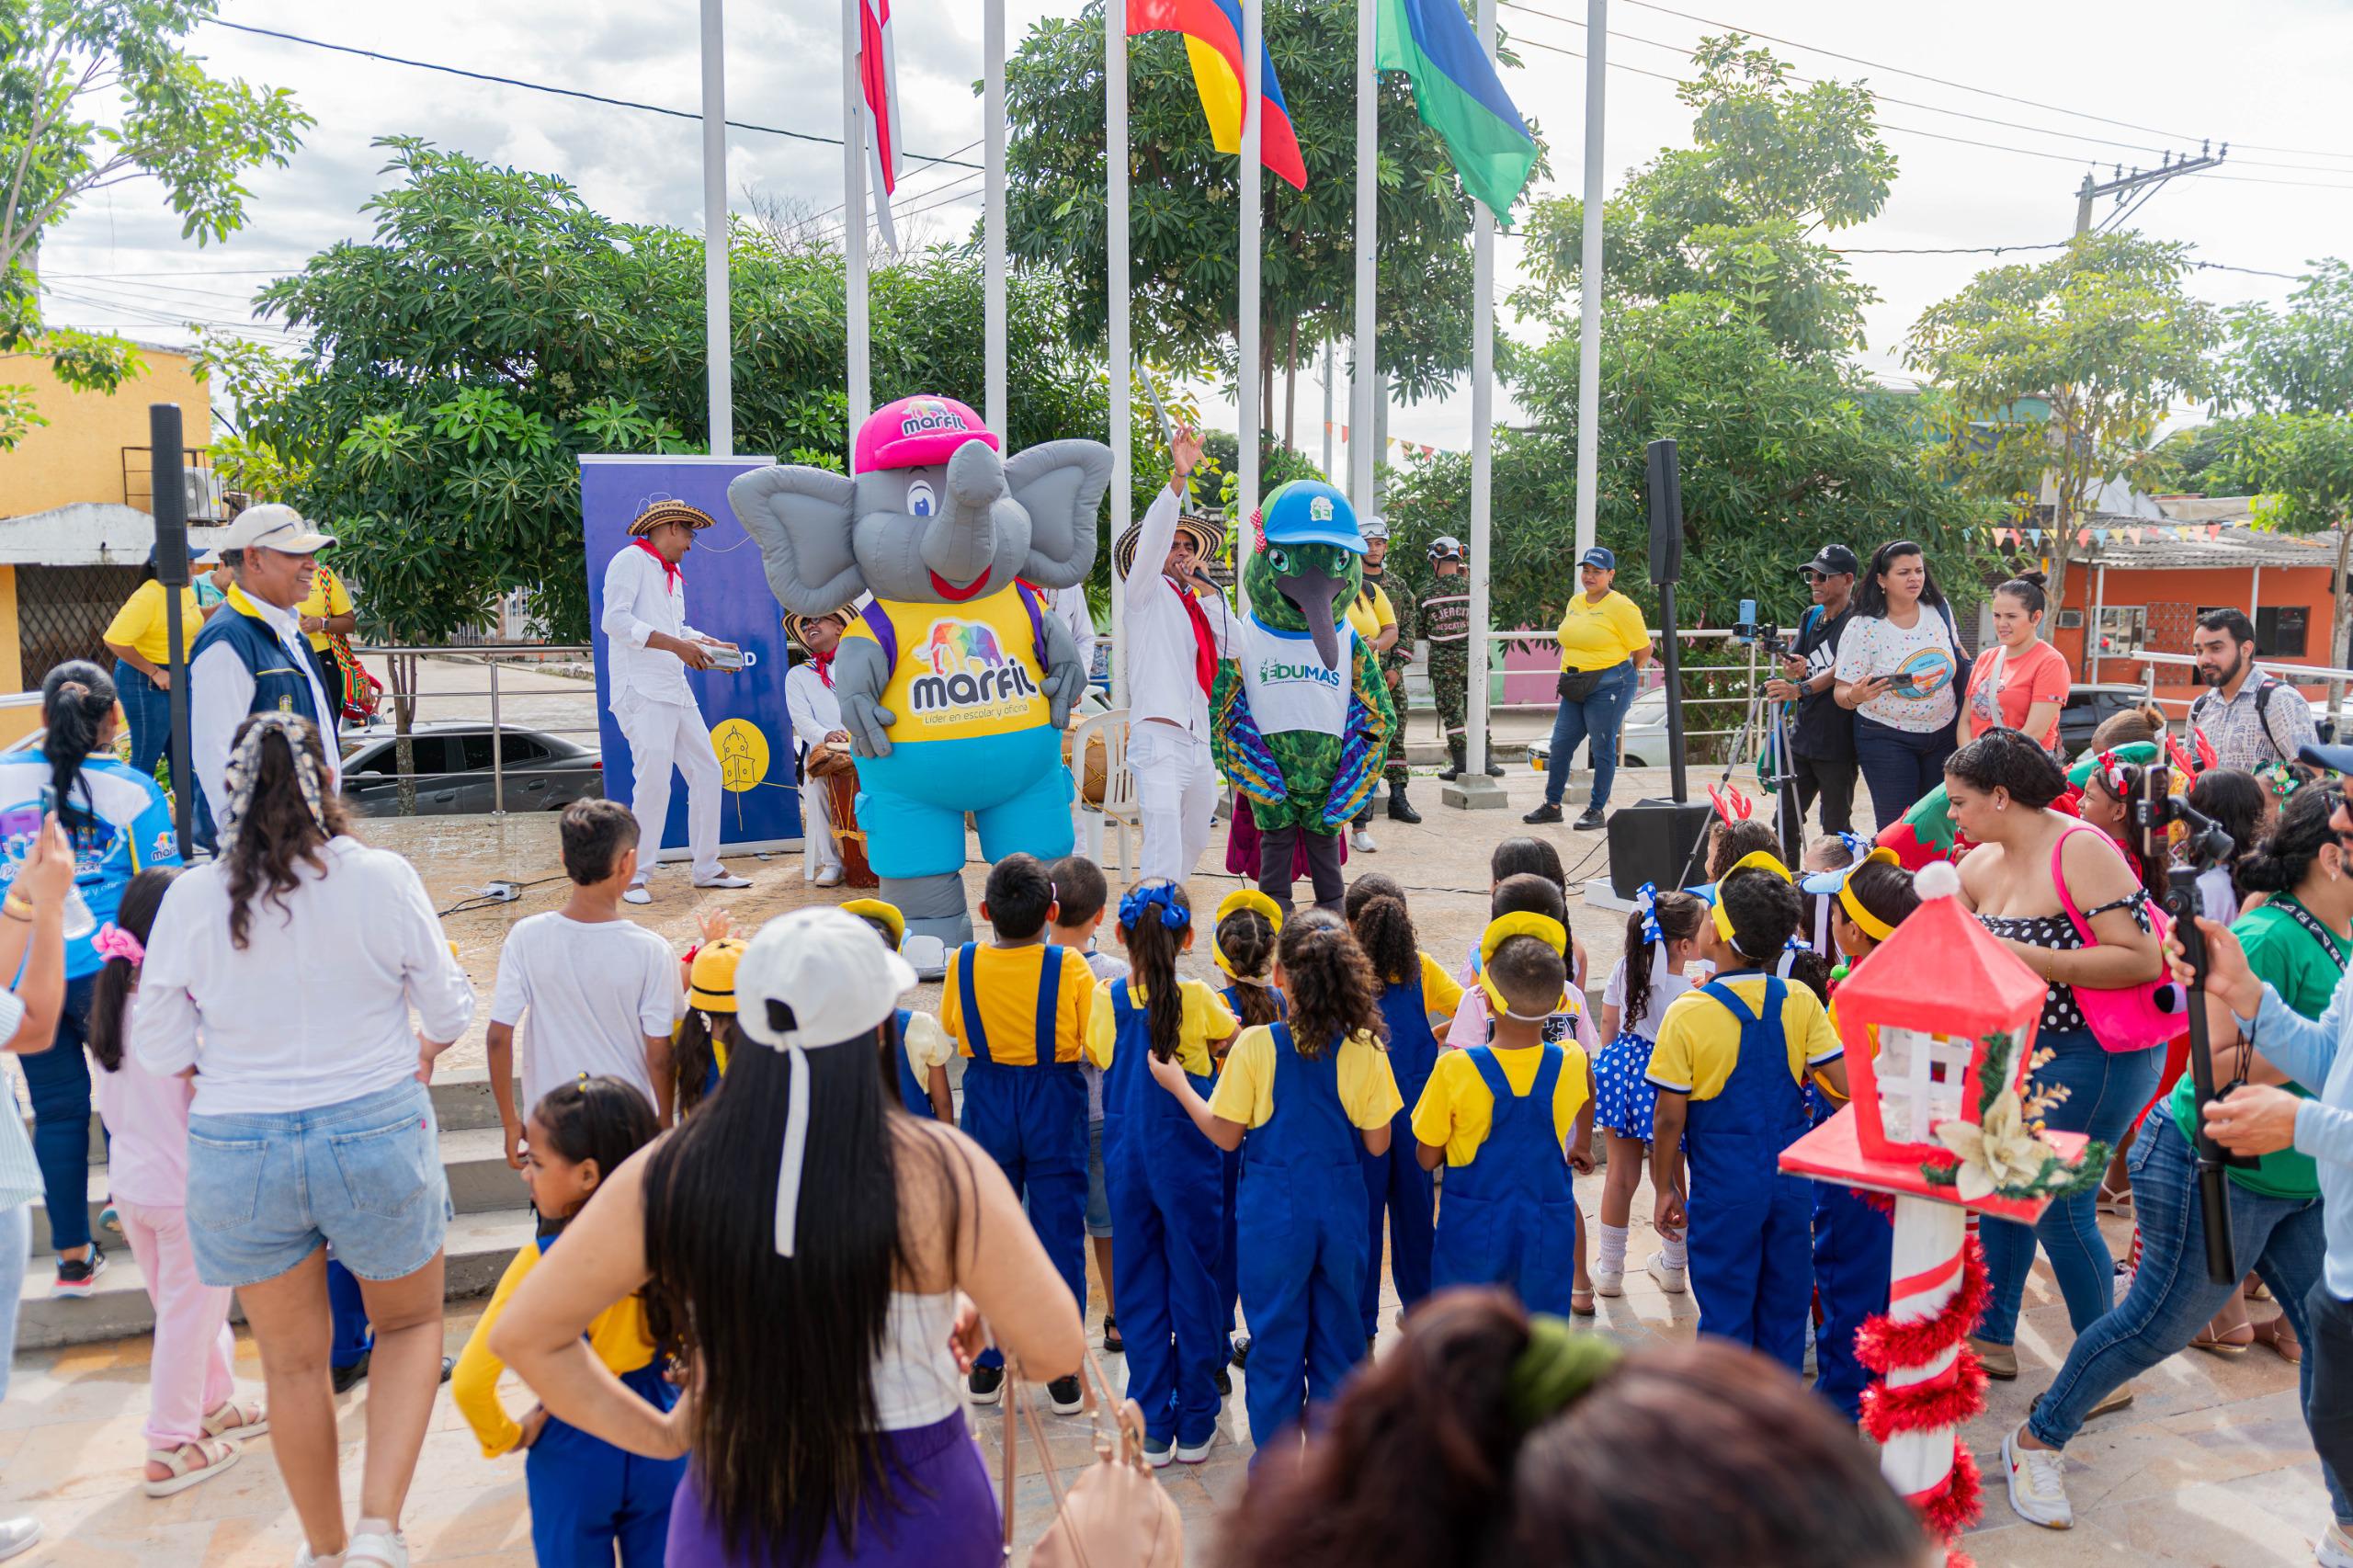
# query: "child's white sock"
(375, 1526)
(1613, 1250)
(1675, 1253)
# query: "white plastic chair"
(1119, 808)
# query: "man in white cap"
(650, 648)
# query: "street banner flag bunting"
(1459, 97)
(878, 74)
(1213, 33)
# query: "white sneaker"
(387, 1548)
(1810, 1366)
(1672, 1280)
(2038, 1485)
(2336, 1548)
(638, 893)
(1194, 1453)
(1608, 1282)
(1157, 1455)
(831, 877)
(1360, 840)
(18, 1534)
(724, 880)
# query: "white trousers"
(1175, 797)
(663, 735)
(820, 850)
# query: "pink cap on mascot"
(918, 432)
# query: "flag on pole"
(1212, 32)
(1459, 97)
(878, 73)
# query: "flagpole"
(1115, 212)
(718, 338)
(1362, 381)
(1254, 21)
(1328, 407)
(1597, 49)
(1475, 788)
(993, 307)
(861, 397)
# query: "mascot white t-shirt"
(1286, 683)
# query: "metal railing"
(2287, 675)
(1748, 674)
(490, 658)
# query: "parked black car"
(2090, 707)
(451, 761)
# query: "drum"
(1092, 776)
(841, 795)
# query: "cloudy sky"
(1991, 151)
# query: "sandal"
(2234, 1340)
(235, 1420)
(2280, 1335)
(2255, 1289)
(1581, 1300)
(2112, 1201)
(190, 1464)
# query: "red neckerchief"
(1204, 644)
(669, 567)
(824, 666)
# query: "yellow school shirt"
(1204, 1020)
(1698, 1040)
(328, 598)
(142, 624)
(1601, 636)
(1245, 1090)
(1005, 981)
(1457, 1109)
(963, 670)
(1367, 613)
(618, 1336)
(1441, 992)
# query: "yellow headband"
(1754, 860)
(1241, 898)
(1502, 929)
(1878, 930)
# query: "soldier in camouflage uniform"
(1392, 663)
(1446, 621)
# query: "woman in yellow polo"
(140, 639)
(1604, 646)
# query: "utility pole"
(2123, 185)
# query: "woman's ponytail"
(76, 700)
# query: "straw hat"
(667, 509)
(796, 626)
(1207, 534)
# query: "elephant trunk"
(959, 544)
(1312, 592)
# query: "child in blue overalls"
(1019, 1009)
(1730, 1067)
(1300, 1099)
(1162, 1175)
(915, 1069)
(1503, 1116)
(1415, 989)
(589, 1499)
(1248, 922)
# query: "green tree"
(95, 93)
(2299, 360)
(2301, 464)
(2106, 332)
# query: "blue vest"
(280, 684)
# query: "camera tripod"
(1768, 721)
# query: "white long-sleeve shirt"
(816, 712)
(315, 1009)
(1161, 680)
(640, 600)
(220, 696)
(1070, 605)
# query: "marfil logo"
(925, 414)
(969, 669)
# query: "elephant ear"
(1061, 484)
(802, 519)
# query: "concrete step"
(478, 1250)
(462, 1101)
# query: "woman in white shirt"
(284, 973)
(1896, 669)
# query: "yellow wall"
(77, 456)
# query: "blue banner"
(728, 599)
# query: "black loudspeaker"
(167, 481)
(1651, 841)
(1667, 514)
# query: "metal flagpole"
(1475, 788)
(1363, 384)
(1327, 408)
(993, 306)
(1115, 148)
(1596, 49)
(862, 396)
(1254, 22)
(717, 337)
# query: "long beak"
(1312, 592)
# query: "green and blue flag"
(1459, 97)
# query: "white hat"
(272, 527)
(840, 982)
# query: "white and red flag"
(878, 74)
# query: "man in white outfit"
(1069, 606)
(816, 721)
(650, 650)
(1174, 640)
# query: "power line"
(543, 88)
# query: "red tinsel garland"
(1954, 1506)
(1881, 1342)
(1926, 1407)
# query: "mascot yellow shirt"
(959, 670)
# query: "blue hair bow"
(1647, 904)
(1797, 945)
(1141, 901)
(1855, 847)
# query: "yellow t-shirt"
(1368, 618)
(963, 670)
(1005, 982)
(1245, 1090)
(618, 1336)
(328, 598)
(1441, 992)
(1601, 636)
(1457, 1109)
(1204, 1021)
(141, 625)
(1698, 1039)
(927, 1044)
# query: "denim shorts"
(266, 1190)
(1098, 1196)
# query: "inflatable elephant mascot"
(954, 684)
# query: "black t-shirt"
(1824, 731)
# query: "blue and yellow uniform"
(1854, 1247)
(1019, 1013)
(1741, 1048)
(1162, 1176)
(1229, 1251)
(1395, 1182)
(588, 1498)
(1505, 1118)
(1300, 1211)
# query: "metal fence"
(409, 706)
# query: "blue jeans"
(148, 710)
(1597, 717)
(1899, 765)
(2171, 1298)
(2106, 1089)
(59, 1082)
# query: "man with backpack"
(1821, 734)
(2250, 719)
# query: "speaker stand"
(1474, 792)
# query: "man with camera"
(1821, 734)
(2251, 720)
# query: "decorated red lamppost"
(1938, 1024)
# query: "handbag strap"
(1107, 1445)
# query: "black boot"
(1455, 749)
(1399, 808)
(1495, 768)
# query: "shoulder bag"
(1115, 1514)
(2133, 1018)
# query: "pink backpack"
(2136, 1016)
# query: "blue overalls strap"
(886, 636)
(969, 996)
(1775, 989)
(1037, 620)
(1491, 1072)
(1049, 996)
(1121, 1005)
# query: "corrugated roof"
(2237, 549)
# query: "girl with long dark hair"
(823, 1407)
(1896, 669)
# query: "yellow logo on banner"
(742, 754)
